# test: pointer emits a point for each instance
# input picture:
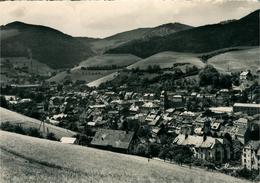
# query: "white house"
(251, 155)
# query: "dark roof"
(115, 138)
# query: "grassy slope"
(104, 79)
(26, 122)
(237, 60)
(77, 74)
(110, 59)
(167, 59)
(55, 162)
(38, 67)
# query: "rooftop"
(197, 141)
(115, 138)
(246, 105)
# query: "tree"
(225, 81)
(208, 76)
(154, 149)
(141, 150)
(51, 136)
(3, 102)
(34, 132)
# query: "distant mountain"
(45, 44)
(166, 29)
(242, 32)
(100, 46)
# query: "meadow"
(28, 159)
(236, 61)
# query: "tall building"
(251, 155)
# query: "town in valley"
(191, 109)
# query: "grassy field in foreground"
(27, 159)
(27, 122)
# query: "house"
(149, 106)
(68, 140)
(177, 101)
(243, 122)
(114, 140)
(244, 75)
(251, 155)
(149, 96)
(156, 131)
(152, 119)
(187, 129)
(250, 109)
(207, 148)
(221, 110)
(236, 132)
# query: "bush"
(51, 136)
(34, 132)
(141, 150)
(7, 126)
(245, 173)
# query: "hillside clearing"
(167, 59)
(110, 59)
(77, 73)
(49, 161)
(27, 122)
(237, 61)
(104, 79)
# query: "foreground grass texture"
(27, 159)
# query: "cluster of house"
(218, 133)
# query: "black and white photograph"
(130, 91)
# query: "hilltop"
(242, 32)
(102, 45)
(47, 45)
(30, 159)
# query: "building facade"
(251, 155)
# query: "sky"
(102, 18)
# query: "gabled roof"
(114, 138)
(197, 141)
(244, 73)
